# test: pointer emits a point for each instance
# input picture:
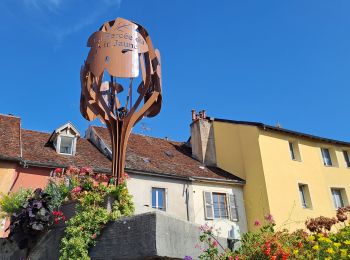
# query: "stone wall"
(153, 235)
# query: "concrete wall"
(146, 236)
(224, 225)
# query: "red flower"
(63, 218)
(273, 257)
(93, 236)
(300, 245)
(58, 170)
(215, 243)
(56, 220)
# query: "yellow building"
(288, 174)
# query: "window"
(338, 198)
(326, 156)
(158, 199)
(220, 206)
(304, 194)
(66, 145)
(294, 151)
(346, 158)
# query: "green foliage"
(12, 202)
(83, 229)
(58, 193)
(268, 244)
(33, 217)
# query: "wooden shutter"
(233, 208)
(208, 205)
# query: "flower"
(330, 250)
(58, 170)
(187, 258)
(269, 218)
(337, 244)
(94, 236)
(81, 228)
(347, 242)
(311, 238)
(56, 220)
(315, 247)
(300, 245)
(76, 190)
(273, 257)
(215, 243)
(84, 170)
(257, 223)
(295, 251)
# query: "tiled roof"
(10, 136)
(36, 149)
(164, 156)
(144, 154)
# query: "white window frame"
(325, 163)
(342, 196)
(59, 140)
(346, 158)
(165, 199)
(304, 196)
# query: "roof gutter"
(215, 180)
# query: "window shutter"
(233, 208)
(208, 205)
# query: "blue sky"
(280, 61)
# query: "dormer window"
(64, 139)
(66, 145)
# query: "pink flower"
(215, 243)
(84, 170)
(269, 218)
(257, 223)
(76, 190)
(93, 236)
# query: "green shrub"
(12, 202)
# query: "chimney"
(193, 115)
(202, 139)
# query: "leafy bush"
(268, 244)
(12, 202)
(33, 217)
(92, 215)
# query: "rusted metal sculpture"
(118, 50)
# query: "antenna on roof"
(144, 128)
(278, 125)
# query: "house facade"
(291, 175)
(163, 174)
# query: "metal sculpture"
(118, 50)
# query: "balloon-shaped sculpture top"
(120, 49)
